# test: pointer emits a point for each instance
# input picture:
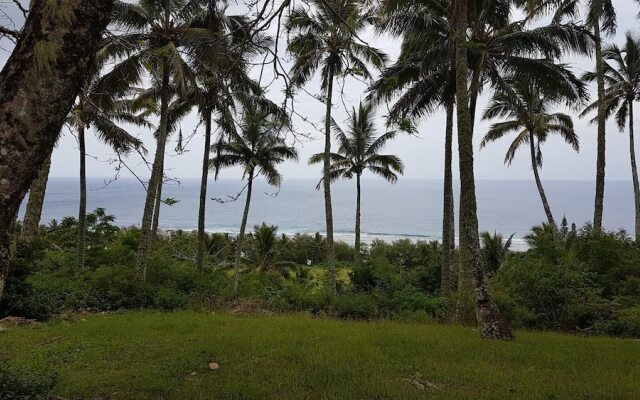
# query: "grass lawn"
(159, 355)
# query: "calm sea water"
(411, 208)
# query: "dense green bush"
(572, 280)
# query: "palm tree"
(490, 322)
(158, 35)
(222, 81)
(327, 39)
(99, 107)
(420, 87)
(265, 245)
(601, 20)
(359, 151)
(33, 212)
(258, 149)
(494, 250)
(622, 90)
(528, 112)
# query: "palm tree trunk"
(447, 219)
(158, 202)
(32, 215)
(634, 171)
(602, 141)
(243, 226)
(475, 91)
(491, 324)
(203, 191)
(357, 246)
(35, 98)
(144, 245)
(536, 175)
(82, 210)
(327, 184)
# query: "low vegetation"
(569, 280)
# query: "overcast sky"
(423, 155)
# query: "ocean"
(409, 209)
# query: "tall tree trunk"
(203, 190)
(536, 175)
(326, 182)
(491, 324)
(32, 215)
(447, 215)
(358, 197)
(634, 171)
(474, 90)
(82, 210)
(240, 244)
(36, 94)
(602, 140)
(144, 245)
(158, 202)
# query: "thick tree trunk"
(31, 222)
(243, 227)
(490, 322)
(634, 171)
(536, 175)
(326, 182)
(602, 140)
(37, 90)
(357, 246)
(447, 215)
(203, 191)
(82, 210)
(144, 245)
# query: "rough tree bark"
(203, 191)
(82, 210)
(326, 183)
(357, 244)
(536, 175)
(447, 215)
(491, 324)
(158, 202)
(31, 222)
(243, 227)
(144, 245)
(602, 140)
(38, 85)
(634, 171)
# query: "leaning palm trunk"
(144, 245)
(82, 209)
(240, 244)
(203, 191)
(327, 184)
(536, 175)
(357, 245)
(35, 97)
(447, 215)
(490, 322)
(634, 171)
(32, 215)
(602, 141)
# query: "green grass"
(154, 355)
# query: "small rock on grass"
(214, 365)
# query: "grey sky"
(423, 155)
